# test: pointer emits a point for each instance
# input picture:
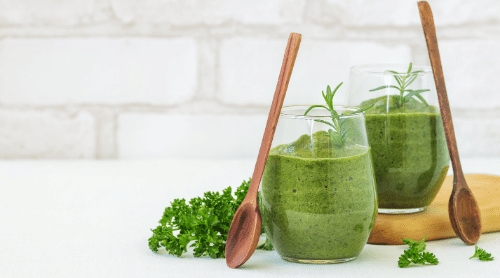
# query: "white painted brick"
(471, 72)
(41, 134)
(102, 11)
(105, 133)
(193, 12)
(60, 12)
(97, 70)
(477, 136)
(207, 66)
(461, 12)
(190, 136)
(250, 68)
(364, 13)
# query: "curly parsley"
(203, 223)
(482, 255)
(416, 254)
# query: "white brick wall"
(97, 70)
(477, 134)
(462, 12)
(194, 12)
(362, 13)
(250, 68)
(190, 136)
(366, 13)
(46, 134)
(46, 12)
(471, 72)
(149, 78)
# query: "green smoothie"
(318, 200)
(409, 151)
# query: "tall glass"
(405, 132)
(318, 199)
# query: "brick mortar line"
(219, 109)
(218, 74)
(115, 136)
(207, 45)
(103, 116)
(98, 132)
(191, 108)
(238, 30)
(200, 63)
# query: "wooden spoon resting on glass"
(462, 207)
(246, 226)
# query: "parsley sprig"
(482, 255)
(338, 133)
(416, 254)
(203, 222)
(404, 80)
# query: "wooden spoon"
(246, 226)
(462, 207)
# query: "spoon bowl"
(463, 210)
(244, 236)
(464, 215)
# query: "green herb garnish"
(338, 133)
(416, 254)
(404, 80)
(203, 222)
(267, 245)
(482, 255)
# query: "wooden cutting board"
(434, 221)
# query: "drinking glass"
(318, 200)
(405, 133)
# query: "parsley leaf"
(267, 245)
(430, 258)
(416, 254)
(482, 255)
(203, 222)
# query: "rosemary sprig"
(404, 82)
(338, 133)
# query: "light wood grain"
(434, 222)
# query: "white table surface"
(93, 219)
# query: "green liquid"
(316, 207)
(409, 151)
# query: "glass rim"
(342, 108)
(364, 69)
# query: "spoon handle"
(432, 46)
(279, 95)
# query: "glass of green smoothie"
(405, 132)
(318, 199)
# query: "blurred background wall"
(195, 79)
